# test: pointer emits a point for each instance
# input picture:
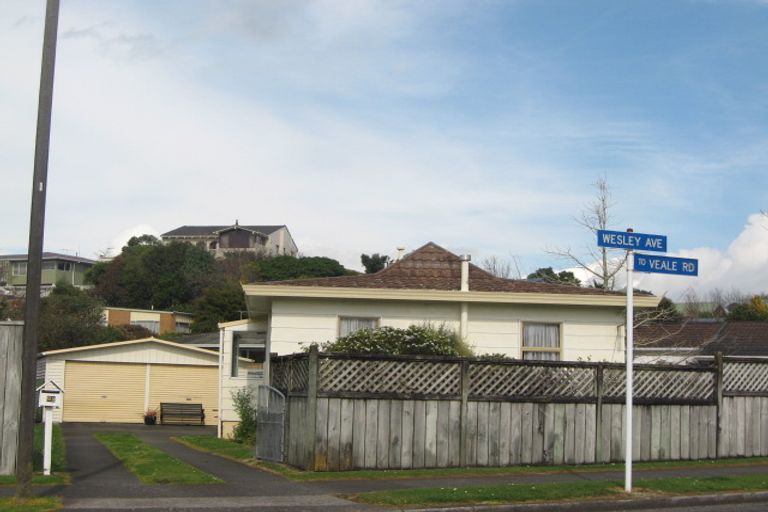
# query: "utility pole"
(24, 457)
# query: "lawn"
(491, 494)
(511, 493)
(30, 505)
(58, 460)
(151, 465)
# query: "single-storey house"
(520, 318)
(118, 382)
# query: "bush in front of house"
(425, 339)
(245, 406)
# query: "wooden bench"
(182, 414)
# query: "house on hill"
(55, 268)
(522, 319)
(219, 240)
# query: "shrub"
(245, 406)
(423, 339)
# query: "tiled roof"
(433, 268)
(690, 334)
(734, 338)
(742, 338)
(48, 256)
(211, 230)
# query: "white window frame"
(16, 266)
(524, 350)
(376, 322)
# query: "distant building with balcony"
(219, 240)
(55, 268)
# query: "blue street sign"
(631, 241)
(666, 265)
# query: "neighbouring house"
(519, 318)
(55, 268)
(244, 364)
(118, 382)
(219, 240)
(691, 341)
(158, 322)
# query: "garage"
(118, 382)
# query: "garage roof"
(131, 342)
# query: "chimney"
(400, 253)
(465, 259)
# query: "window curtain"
(541, 336)
(349, 325)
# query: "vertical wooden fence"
(10, 393)
(390, 412)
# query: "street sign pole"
(629, 356)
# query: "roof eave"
(256, 290)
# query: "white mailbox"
(50, 398)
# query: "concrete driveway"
(100, 482)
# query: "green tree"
(374, 263)
(281, 268)
(70, 317)
(151, 274)
(550, 276)
(220, 303)
(416, 339)
(756, 309)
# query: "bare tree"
(501, 268)
(601, 263)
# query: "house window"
(19, 268)
(246, 356)
(66, 266)
(152, 325)
(541, 342)
(49, 265)
(348, 324)
(183, 327)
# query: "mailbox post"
(50, 396)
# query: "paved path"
(100, 482)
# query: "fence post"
(312, 375)
(599, 413)
(465, 385)
(719, 386)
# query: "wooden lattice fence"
(348, 412)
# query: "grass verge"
(30, 505)
(58, 460)
(150, 465)
(491, 494)
(244, 454)
(560, 491)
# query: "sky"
(367, 125)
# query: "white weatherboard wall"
(228, 384)
(588, 333)
(142, 353)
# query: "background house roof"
(732, 338)
(431, 267)
(684, 334)
(212, 230)
(48, 256)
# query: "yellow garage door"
(186, 384)
(104, 392)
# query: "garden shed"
(118, 382)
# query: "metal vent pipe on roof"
(465, 259)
